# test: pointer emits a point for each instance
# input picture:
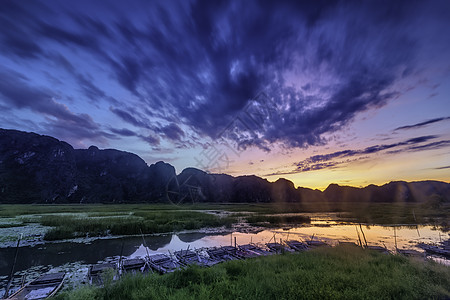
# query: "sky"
(318, 92)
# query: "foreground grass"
(335, 273)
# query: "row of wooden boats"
(165, 263)
(441, 249)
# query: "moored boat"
(378, 249)
(96, 271)
(134, 265)
(189, 257)
(316, 243)
(278, 248)
(296, 245)
(432, 249)
(220, 254)
(410, 253)
(348, 244)
(42, 288)
(239, 253)
(255, 249)
(162, 263)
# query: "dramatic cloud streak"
(422, 124)
(325, 161)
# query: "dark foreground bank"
(342, 272)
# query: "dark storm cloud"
(149, 139)
(127, 117)
(90, 90)
(325, 161)
(368, 150)
(123, 132)
(430, 146)
(422, 124)
(15, 38)
(173, 132)
(443, 168)
(201, 62)
(18, 93)
(66, 37)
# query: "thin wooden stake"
(359, 237)
(145, 246)
(120, 258)
(417, 225)
(395, 238)
(12, 269)
(364, 236)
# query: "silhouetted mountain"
(395, 191)
(42, 169)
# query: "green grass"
(14, 210)
(334, 273)
(146, 221)
(9, 225)
(126, 219)
(271, 221)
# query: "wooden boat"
(134, 265)
(432, 249)
(378, 249)
(44, 287)
(348, 244)
(96, 271)
(189, 257)
(239, 253)
(220, 254)
(410, 253)
(296, 245)
(162, 263)
(315, 244)
(278, 248)
(255, 249)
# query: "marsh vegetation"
(73, 221)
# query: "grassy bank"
(335, 273)
(69, 221)
(274, 220)
(147, 222)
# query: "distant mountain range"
(42, 169)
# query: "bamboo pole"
(145, 246)
(364, 236)
(120, 258)
(359, 237)
(12, 269)
(395, 238)
(417, 225)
